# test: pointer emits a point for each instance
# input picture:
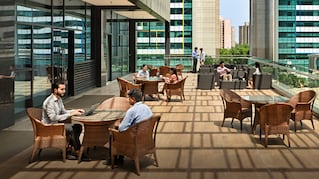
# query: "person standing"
(53, 112)
(195, 59)
(202, 56)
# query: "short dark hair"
(221, 62)
(136, 94)
(56, 84)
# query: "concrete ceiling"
(131, 14)
(109, 2)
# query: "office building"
(226, 33)
(192, 23)
(85, 43)
(244, 34)
(284, 31)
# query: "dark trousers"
(73, 132)
(194, 65)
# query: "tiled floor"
(190, 144)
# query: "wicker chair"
(130, 86)
(136, 141)
(274, 119)
(122, 86)
(150, 88)
(115, 103)
(164, 70)
(303, 105)
(235, 107)
(179, 69)
(153, 71)
(46, 136)
(175, 89)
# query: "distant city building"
(192, 23)
(244, 34)
(233, 36)
(226, 33)
(284, 31)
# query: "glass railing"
(290, 79)
(287, 79)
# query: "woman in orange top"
(170, 78)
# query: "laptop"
(91, 110)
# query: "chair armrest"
(302, 106)
(51, 129)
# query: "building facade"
(285, 31)
(82, 43)
(226, 34)
(244, 34)
(192, 23)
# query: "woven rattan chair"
(175, 89)
(122, 86)
(149, 88)
(274, 119)
(136, 141)
(115, 103)
(130, 86)
(235, 107)
(164, 70)
(153, 71)
(46, 136)
(303, 105)
(179, 69)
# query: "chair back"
(137, 140)
(115, 103)
(35, 116)
(307, 96)
(275, 114)
(153, 71)
(130, 86)
(164, 70)
(122, 86)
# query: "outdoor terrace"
(190, 144)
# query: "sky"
(235, 10)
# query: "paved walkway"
(190, 145)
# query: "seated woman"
(170, 78)
(257, 72)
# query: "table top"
(152, 78)
(104, 115)
(265, 99)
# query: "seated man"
(137, 113)
(143, 72)
(224, 72)
(54, 112)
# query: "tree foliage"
(242, 49)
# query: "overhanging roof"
(137, 9)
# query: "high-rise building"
(244, 33)
(192, 23)
(284, 31)
(226, 34)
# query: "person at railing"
(143, 73)
(202, 56)
(195, 59)
(224, 72)
(257, 72)
(12, 72)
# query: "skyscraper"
(285, 31)
(244, 33)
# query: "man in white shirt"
(195, 59)
(143, 72)
(224, 72)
